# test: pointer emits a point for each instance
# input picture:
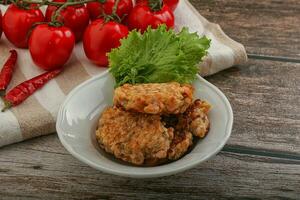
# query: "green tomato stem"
(54, 18)
(114, 10)
(155, 5)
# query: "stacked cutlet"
(150, 124)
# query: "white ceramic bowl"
(78, 117)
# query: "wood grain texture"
(265, 96)
(42, 169)
(268, 27)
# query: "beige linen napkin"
(37, 115)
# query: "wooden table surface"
(262, 157)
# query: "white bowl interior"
(78, 118)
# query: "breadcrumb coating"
(195, 119)
(180, 145)
(154, 98)
(133, 137)
(152, 123)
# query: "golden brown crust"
(195, 119)
(133, 137)
(180, 145)
(154, 98)
(134, 131)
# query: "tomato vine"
(61, 5)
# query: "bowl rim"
(134, 174)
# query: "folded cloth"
(37, 115)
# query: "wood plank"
(42, 169)
(265, 96)
(269, 27)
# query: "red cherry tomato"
(17, 22)
(141, 17)
(75, 17)
(0, 23)
(171, 3)
(100, 37)
(97, 9)
(51, 47)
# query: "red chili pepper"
(21, 92)
(7, 71)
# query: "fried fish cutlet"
(195, 119)
(180, 144)
(133, 137)
(154, 98)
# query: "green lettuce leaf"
(158, 56)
